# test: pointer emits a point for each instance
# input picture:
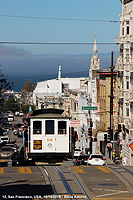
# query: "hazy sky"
(44, 59)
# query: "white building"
(125, 67)
(55, 87)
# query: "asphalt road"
(100, 182)
(28, 182)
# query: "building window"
(127, 85)
(37, 127)
(127, 27)
(61, 127)
(74, 106)
(49, 127)
(127, 109)
(122, 30)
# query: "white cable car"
(49, 138)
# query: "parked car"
(82, 160)
(6, 152)
(14, 147)
(77, 152)
(4, 139)
(96, 159)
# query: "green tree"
(10, 104)
(4, 85)
(25, 108)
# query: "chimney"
(59, 74)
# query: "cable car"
(49, 138)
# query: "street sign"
(131, 145)
(75, 123)
(89, 108)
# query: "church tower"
(95, 61)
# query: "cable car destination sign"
(89, 108)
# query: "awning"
(100, 136)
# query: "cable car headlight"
(50, 145)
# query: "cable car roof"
(48, 113)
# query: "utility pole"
(111, 103)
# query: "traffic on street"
(83, 177)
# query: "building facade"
(125, 67)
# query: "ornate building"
(125, 67)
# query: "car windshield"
(97, 156)
(85, 157)
(77, 150)
(4, 138)
(6, 149)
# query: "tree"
(10, 104)
(4, 86)
(28, 86)
(25, 108)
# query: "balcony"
(121, 94)
(127, 95)
(121, 67)
(127, 68)
(127, 38)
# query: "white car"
(4, 139)
(96, 159)
(77, 152)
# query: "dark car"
(82, 160)
(19, 159)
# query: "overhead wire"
(57, 43)
(58, 18)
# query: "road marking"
(104, 169)
(28, 170)
(21, 170)
(24, 170)
(119, 192)
(78, 170)
(1, 170)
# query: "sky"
(55, 21)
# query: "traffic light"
(90, 131)
(117, 136)
(105, 137)
(109, 135)
(91, 124)
(95, 140)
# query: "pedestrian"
(121, 156)
(26, 141)
(114, 155)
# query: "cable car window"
(61, 127)
(37, 127)
(49, 127)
